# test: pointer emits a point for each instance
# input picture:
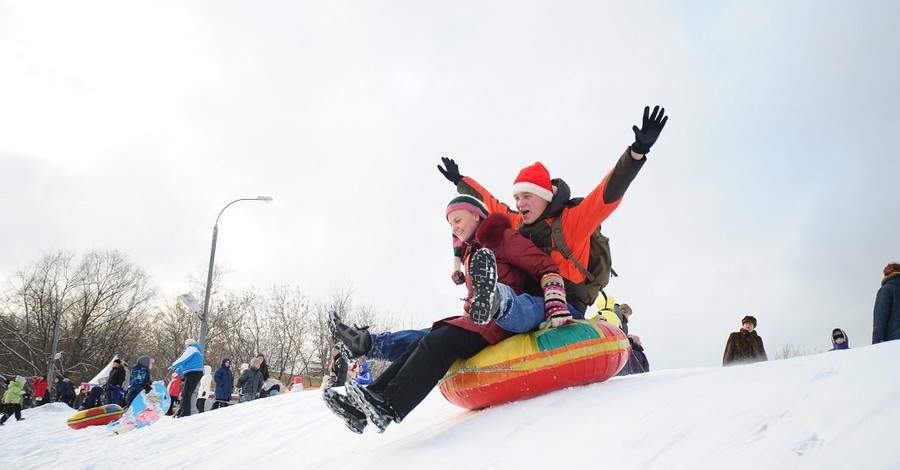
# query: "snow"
(807, 412)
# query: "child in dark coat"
(140, 379)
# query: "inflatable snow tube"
(532, 364)
(95, 416)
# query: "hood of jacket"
(144, 361)
(845, 345)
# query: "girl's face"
(463, 223)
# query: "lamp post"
(53, 354)
(204, 320)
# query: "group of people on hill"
(746, 346)
(253, 382)
(340, 370)
(518, 279)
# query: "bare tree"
(789, 350)
(98, 303)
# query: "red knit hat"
(534, 179)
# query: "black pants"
(219, 404)
(410, 379)
(191, 379)
(11, 409)
(114, 395)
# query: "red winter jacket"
(520, 265)
(40, 387)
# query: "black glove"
(646, 136)
(452, 171)
(147, 388)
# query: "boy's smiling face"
(530, 206)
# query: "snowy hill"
(807, 412)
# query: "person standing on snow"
(41, 394)
(251, 381)
(141, 379)
(114, 391)
(190, 367)
(205, 383)
(839, 340)
(13, 399)
(174, 393)
(65, 392)
(264, 371)
(338, 368)
(886, 323)
(745, 345)
(224, 384)
(637, 360)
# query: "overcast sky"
(772, 190)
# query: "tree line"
(103, 305)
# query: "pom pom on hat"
(468, 203)
(534, 179)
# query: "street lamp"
(204, 320)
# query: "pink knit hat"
(534, 179)
(469, 203)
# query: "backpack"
(599, 266)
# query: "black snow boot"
(340, 405)
(354, 342)
(485, 299)
(378, 412)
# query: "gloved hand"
(555, 309)
(559, 319)
(147, 388)
(452, 171)
(652, 125)
(458, 277)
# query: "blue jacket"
(834, 345)
(191, 360)
(224, 381)
(140, 378)
(364, 377)
(886, 326)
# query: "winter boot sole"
(353, 342)
(483, 272)
(354, 419)
(358, 398)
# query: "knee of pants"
(525, 313)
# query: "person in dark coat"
(141, 379)
(886, 324)
(65, 392)
(264, 370)
(493, 253)
(224, 379)
(637, 360)
(839, 340)
(115, 393)
(94, 398)
(745, 345)
(251, 381)
(338, 368)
